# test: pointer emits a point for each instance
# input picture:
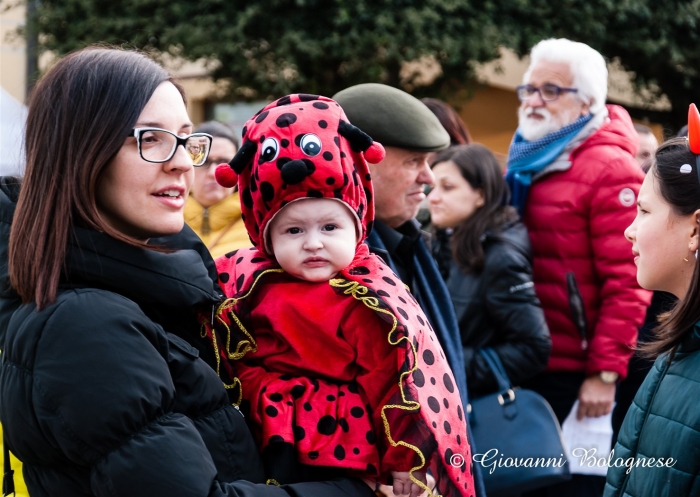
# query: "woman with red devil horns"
(657, 450)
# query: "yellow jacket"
(220, 226)
(20, 486)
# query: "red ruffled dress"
(348, 372)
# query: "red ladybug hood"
(301, 146)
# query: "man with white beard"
(574, 179)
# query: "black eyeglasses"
(548, 93)
(159, 145)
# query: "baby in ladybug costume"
(337, 366)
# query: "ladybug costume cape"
(348, 372)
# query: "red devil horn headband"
(694, 129)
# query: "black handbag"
(517, 438)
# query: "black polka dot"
(240, 280)
(323, 124)
(256, 260)
(313, 455)
(284, 101)
(434, 424)
(339, 452)
(428, 357)
(284, 142)
(357, 412)
(327, 425)
(285, 120)
(371, 439)
(434, 404)
(432, 381)
(403, 313)
(403, 300)
(420, 320)
(314, 382)
(224, 277)
(330, 398)
(342, 155)
(445, 403)
(459, 412)
(271, 411)
(448, 383)
(459, 439)
(244, 131)
(382, 293)
(300, 433)
(352, 387)
(261, 117)
(355, 451)
(448, 456)
(276, 397)
(247, 198)
(298, 391)
(336, 140)
(276, 439)
(368, 177)
(327, 155)
(389, 280)
(307, 97)
(448, 428)
(307, 406)
(344, 425)
(330, 180)
(359, 270)
(418, 378)
(262, 138)
(320, 105)
(314, 194)
(267, 191)
(238, 261)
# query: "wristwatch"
(608, 377)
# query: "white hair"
(588, 68)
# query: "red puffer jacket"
(576, 219)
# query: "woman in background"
(484, 254)
(212, 211)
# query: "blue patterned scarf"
(525, 159)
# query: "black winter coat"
(99, 396)
(498, 308)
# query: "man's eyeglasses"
(548, 93)
(159, 145)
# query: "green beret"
(393, 117)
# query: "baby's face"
(313, 239)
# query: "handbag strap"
(8, 482)
(494, 362)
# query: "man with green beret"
(409, 131)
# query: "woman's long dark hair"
(80, 114)
(482, 171)
(682, 193)
(450, 120)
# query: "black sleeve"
(522, 338)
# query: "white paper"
(588, 443)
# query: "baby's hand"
(403, 485)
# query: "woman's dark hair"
(450, 120)
(80, 114)
(218, 130)
(482, 171)
(682, 193)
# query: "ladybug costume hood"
(301, 146)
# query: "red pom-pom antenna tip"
(694, 129)
(226, 176)
(375, 153)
